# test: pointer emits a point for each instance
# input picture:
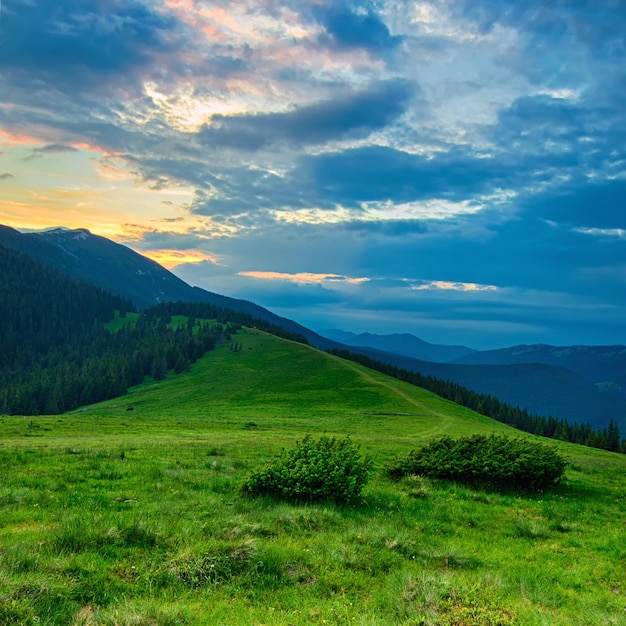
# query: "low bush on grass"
(327, 469)
(494, 460)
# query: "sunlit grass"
(113, 516)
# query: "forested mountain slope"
(43, 310)
(57, 352)
(120, 270)
(603, 366)
(97, 260)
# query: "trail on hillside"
(444, 421)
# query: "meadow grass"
(113, 516)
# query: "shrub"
(327, 469)
(494, 460)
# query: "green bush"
(494, 460)
(327, 469)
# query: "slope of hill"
(400, 343)
(300, 385)
(136, 517)
(603, 366)
(120, 270)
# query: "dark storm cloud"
(76, 45)
(355, 115)
(346, 28)
(377, 173)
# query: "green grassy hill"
(116, 516)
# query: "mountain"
(121, 271)
(404, 344)
(540, 388)
(543, 389)
(602, 366)
(94, 259)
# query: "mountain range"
(404, 344)
(576, 383)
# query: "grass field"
(134, 517)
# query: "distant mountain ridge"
(405, 344)
(540, 388)
(602, 366)
(121, 271)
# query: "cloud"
(603, 232)
(304, 278)
(467, 157)
(55, 149)
(171, 258)
(596, 204)
(563, 133)
(346, 28)
(390, 180)
(99, 46)
(50, 149)
(494, 317)
(354, 115)
(451, 286)
(546, 27)
(378, 173)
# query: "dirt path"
(443, 420)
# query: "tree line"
(205, 310)
(490, 406)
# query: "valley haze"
(454, 170)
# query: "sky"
(452, 169)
